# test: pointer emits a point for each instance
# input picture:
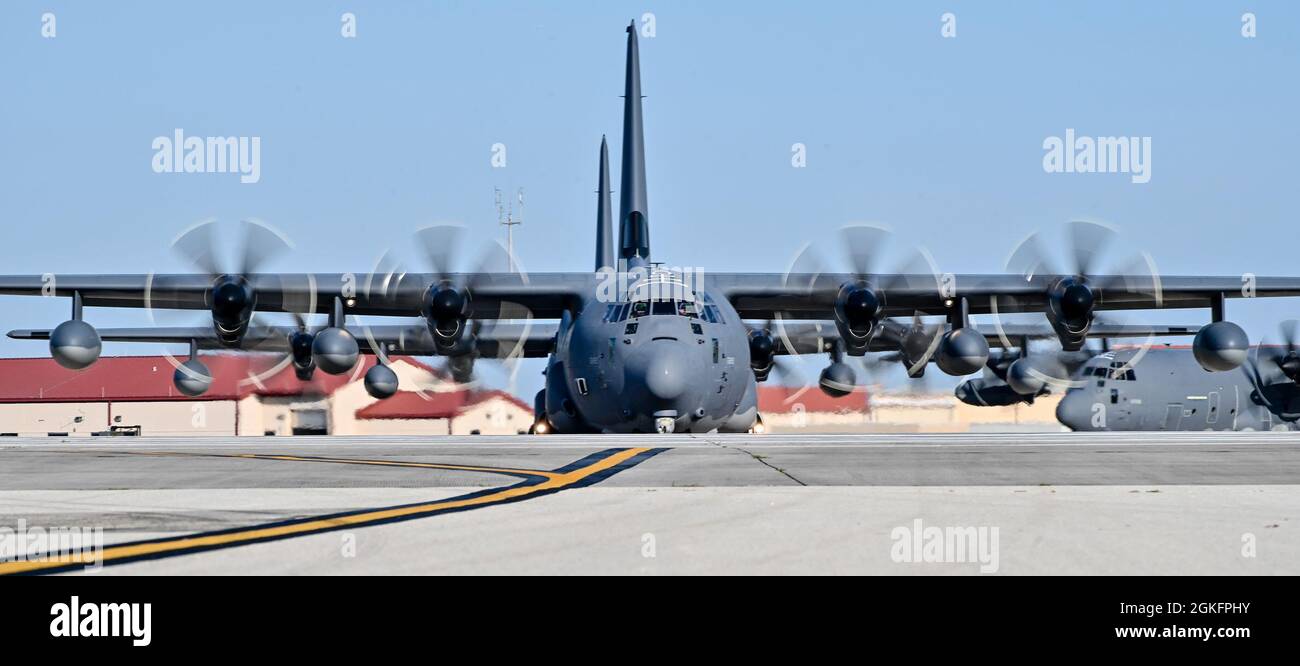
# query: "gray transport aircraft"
(631, 346)
(1164, 388)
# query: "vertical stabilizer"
(605, 257)
(633, 214)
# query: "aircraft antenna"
(507, 217)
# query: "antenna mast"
(506, 217)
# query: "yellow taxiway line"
(552, 481)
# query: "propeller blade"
(439, 244)
(1088, 242)
(260, 245)
(197, 246)
(788, 372)
(864, 245)
(1290, 330)
(1030, 258)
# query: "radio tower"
(506, 216)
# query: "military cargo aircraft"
(1168, 390)
(631, 346)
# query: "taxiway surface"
(1062, 503)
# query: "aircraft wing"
(819, 337)
(500, 340)
(545, 295)
(812, 296)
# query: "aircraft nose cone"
(665, 374)
(1074, 412)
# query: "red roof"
(782, 399)
(432, 404)
(150, 378)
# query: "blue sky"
(366, 139)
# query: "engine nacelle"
(984, 393)
(837, 380)
(1036, 374)
(74, 344)
(381, 381)
(461, 367)
(1221, 346)
(915, 347)
(962, 351)
(304, 361)
(857, 310)
(446, 310)
(762, 354)
(1069, 310)
(335, 350)
(192, 378)
(232, 300)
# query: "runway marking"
(526, 473)
(583, 472)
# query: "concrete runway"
(1150, 503)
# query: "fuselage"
(640, 364)
(1166, 389)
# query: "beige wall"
(403, 427)
(159, 419)
(936, 413)
(42, 418)
(256, 415)
(496, 416)
(345, 402)
(177, 418)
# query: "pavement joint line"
(755, 456)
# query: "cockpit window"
(663, 308)
(687, 309)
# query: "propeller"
(457, 320)
(875, 366)
(765, 357)
(1285, 352)
(876, 280)
(1274, 369)
(233, 298)
(1072, 296)
(279, 352)
(919, 344)
(872, 276)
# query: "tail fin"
(604, 216)
(634, 216)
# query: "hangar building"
(134, 395)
